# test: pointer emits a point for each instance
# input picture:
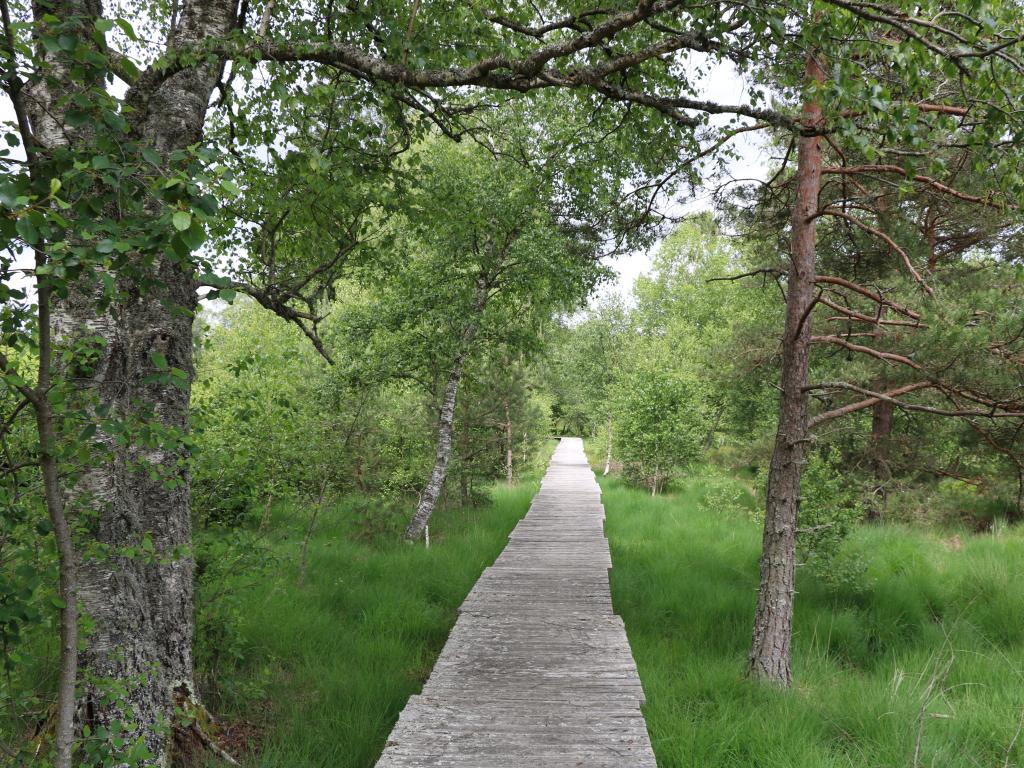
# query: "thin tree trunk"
(1019, 513)
(608, 455)
(36, 126)
(432, 490)
(770, 652)
(435, 483)
(508, 444)
(881, 429)
(64, 736)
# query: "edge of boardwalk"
(537, 670)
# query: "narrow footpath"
(537, 671)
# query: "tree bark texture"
(140, 607)
(445, 427)
(446, 419)
(508, 444)
(770, 652)
(881, 434)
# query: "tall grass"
(335, 660)
(917, 662)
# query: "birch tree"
(115, 182)
(479, 262)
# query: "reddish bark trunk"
(770, 651)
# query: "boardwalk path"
(537, 671)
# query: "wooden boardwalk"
(537, 671)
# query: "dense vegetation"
(286, 283)
(913, 661)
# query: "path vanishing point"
(537, 671)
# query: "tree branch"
(887, 356)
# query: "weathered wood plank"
(537, 671)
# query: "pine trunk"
(770, 651)
(881, 432)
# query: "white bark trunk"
(446, 420)
(432, 491)
(140, 608)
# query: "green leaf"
(76, 118)
(194, 236)
(27, 230)
(127, 29)
(182, 220)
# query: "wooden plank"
(537, 671)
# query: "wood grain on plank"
(537, 671)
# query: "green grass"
(335, 660)
(865, 652)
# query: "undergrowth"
(316, 674)
(916, 661)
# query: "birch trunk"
(770, 652)
(140, 608)
(446, 419)
(435, 483)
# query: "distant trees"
(116, 190)
(661, 419)
(476, 266)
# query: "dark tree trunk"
(508, 444)
(881, 431)
(770, 651)
(140, 608)
(608, 454)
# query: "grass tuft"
(336, 659)
(918, 662)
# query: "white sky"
(723, 85)
(726, 86)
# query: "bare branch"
(887, 356)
